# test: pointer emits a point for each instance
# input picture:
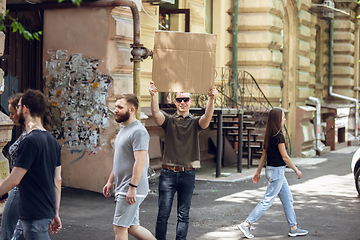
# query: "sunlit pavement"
(325, 202)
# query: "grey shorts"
(126, 215)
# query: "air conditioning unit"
(160, 2)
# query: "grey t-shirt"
(131, 138)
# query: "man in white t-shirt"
(129, 170)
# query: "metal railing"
(248, 97)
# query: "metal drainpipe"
(317, 122)
(331, 53)
(139, 52)
(235, 52)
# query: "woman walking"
(10, 214)
(277, 159)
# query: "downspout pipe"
(139, 52)
(235, 53)
(331, 93)
(317, 122)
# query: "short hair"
(130, 98)
(35, 101)
(182, 92)
(14, 99)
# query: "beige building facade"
(284, 44)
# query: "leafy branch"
(77, 2)
(18, 27)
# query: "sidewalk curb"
(230, 174)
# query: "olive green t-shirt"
(182, 147)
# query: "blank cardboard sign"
(184, 62)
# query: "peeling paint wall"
(78, 55)
(79, 91)
(79, 117)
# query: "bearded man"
(129, 170)
(37, 171)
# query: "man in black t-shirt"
(37, 172)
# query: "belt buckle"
(182, 169)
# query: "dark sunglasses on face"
(179, 100)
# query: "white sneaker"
(245, 230)
(298, 232)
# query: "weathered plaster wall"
(304, 144)
(344, 62)
(276, 44)
(87, 31)
(259, 42)
(197, 14)
(221, 21)
(148, 26)
(79, 54)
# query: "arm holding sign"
(205, 119)
(155, 110)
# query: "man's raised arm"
(205, 119)
(157, 115)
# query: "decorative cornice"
(150, 9)
(200, 2)
(123, 41)
(121, 12)
(122, 70)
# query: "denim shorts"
(126, 215)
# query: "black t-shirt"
(274, 158)
(39, 153)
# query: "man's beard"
(123, 117)
(21, 119)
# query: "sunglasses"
(179, 100)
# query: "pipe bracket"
(140, 52)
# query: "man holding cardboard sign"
(181, 157)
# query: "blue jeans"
(277, 186)
(10, 214)
(170, 182)
(32, 230)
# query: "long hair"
(273, 125)
(14, 99)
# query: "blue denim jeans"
(170, 182)
(277, 186)
(32, 230)
(10, 214)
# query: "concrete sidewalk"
(230, 174)
(88, 215)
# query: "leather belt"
(176, 169)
